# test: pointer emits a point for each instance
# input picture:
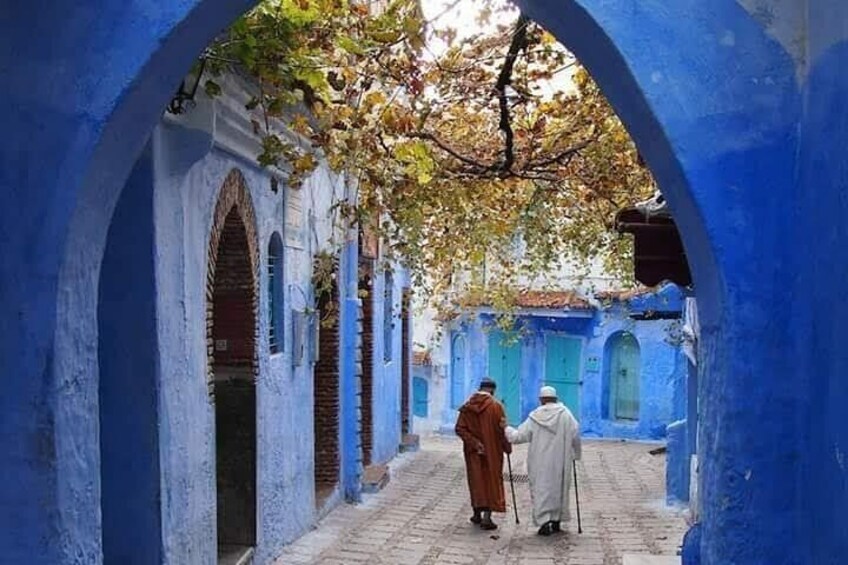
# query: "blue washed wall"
(187, 188)
(663, 365)
(820, 313)
(662, 370)
(712, 95)
(677, 466)
(186, 194)
(128, 394)
(387, 375)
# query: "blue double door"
(505, 370)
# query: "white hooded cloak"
(554, 437)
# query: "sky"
(462, 16)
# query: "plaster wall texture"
(819, 362)
(190, 165)
(739, 133)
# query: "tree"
(456, 156)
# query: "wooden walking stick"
(576, 496)
(512, 487)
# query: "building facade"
(618, 363)
(240, 396)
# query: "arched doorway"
(711, 136)
(327, 383)
(457, 371)
(622, 377)
(232, 330)
(366, 380)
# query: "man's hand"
(503, 423)
(481, 451)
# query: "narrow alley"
(422, 515)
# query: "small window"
(388, 315)
(275, 294)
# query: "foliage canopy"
(500, 141)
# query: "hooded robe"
(479, 426)
(554, 437)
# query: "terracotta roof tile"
(623, 295)
(421, 358)
(552, 299)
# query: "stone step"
(409, 443)
(375, 478)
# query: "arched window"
(388, 314)
(275, 294)
(623, 377)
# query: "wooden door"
(505, 370)
(562, 369)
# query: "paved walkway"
(421, 517)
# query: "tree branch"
(519, 42)
(438, 143)
(570, 152)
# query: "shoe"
(488, 525)
(555, 526)
(476, 519)
(546, 529)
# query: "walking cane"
(576, 496)
(512, 487)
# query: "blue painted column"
(677, 464)
(351, 450)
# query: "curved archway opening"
(366, 379)
(595, 43)
(622, 375)
(232, 331)
(327, 386)
(458, 356)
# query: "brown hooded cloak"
(479, 426)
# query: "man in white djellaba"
(554, 437)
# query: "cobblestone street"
(421, 517)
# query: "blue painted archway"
(711, 91)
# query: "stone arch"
(366, 295)
(718, 126)
(232, 330)
(233, 206)
(327, 383)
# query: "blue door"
(505, 369)
(624, 376)
(419, 397)
(457, 371)
(562, 369)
